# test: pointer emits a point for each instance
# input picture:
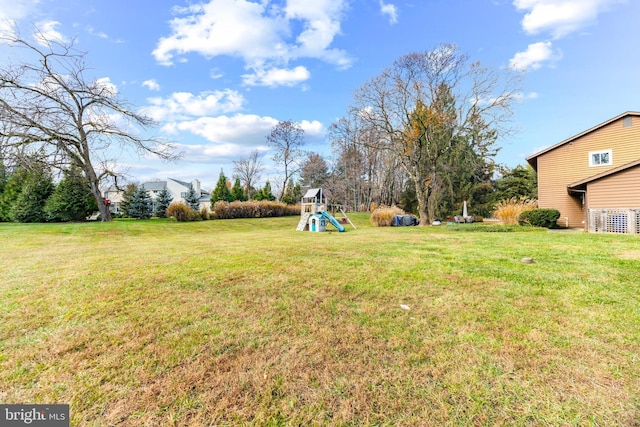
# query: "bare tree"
(48, 105)
(249, 171)
(287, 138)
(436, 111)
(314, 171)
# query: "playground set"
(314, 215)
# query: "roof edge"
(604, 174)
(531, 159)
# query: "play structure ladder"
(304, 219)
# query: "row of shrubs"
(253, 209)
(230, 210)
(182, 212)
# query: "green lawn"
(240, 322)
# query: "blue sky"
(219, 74)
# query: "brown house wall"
(621, 190)
(570, 163)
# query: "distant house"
(115, 198)
(177, 188)
(593, 178)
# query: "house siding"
(621, 190)
(569, 163)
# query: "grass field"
(248, 322)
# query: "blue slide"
(333, 221)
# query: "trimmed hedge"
(182, 212)
(547, 218)
(253, 209)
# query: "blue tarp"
(404, 220)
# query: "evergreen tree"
(127, 195)
(520, 181)
(140, 205)
(4, 177)
(11, 190)
(237, 193)
(264, 193)
(292, 194)
(72, 199)
(221, 192)
(36, 189)
(162, 203)
(192, 199)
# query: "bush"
(182, 212)
(509, 210)
(547, 218)
(204, 213)
(383, 216)
(253, 209)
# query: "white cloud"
(215, 73)
(208, 153)
(313, 128)
(151, 84)
(240, 129)
(91, 30)
(265, 35)
(535, 56)
(391, 10)
(185, 105)
(12, 11)
(46, 32)
(106, 84)
(560, 17)
(277, 77)
(522, 97)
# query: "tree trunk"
(105, 213)
(423, 199)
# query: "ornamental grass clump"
(508, 210)
(383, 216)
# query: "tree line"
(422, 134)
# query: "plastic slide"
(333, 221)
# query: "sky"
(218, 75)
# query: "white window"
(600, 158)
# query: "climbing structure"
(313, 212)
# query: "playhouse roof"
(313, 192)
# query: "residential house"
(177, 188)
(593, 178)
(114, 197)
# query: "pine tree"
(192, 199)
(72, 199)
(292, 194)
(140, 205)
(11, 190)
(237, 193)
(265, 193)
(162, 203)
(221, 192)
(127, 195)
(37, 187)
(4, 177)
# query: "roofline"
(532, 159)
(604, 174)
